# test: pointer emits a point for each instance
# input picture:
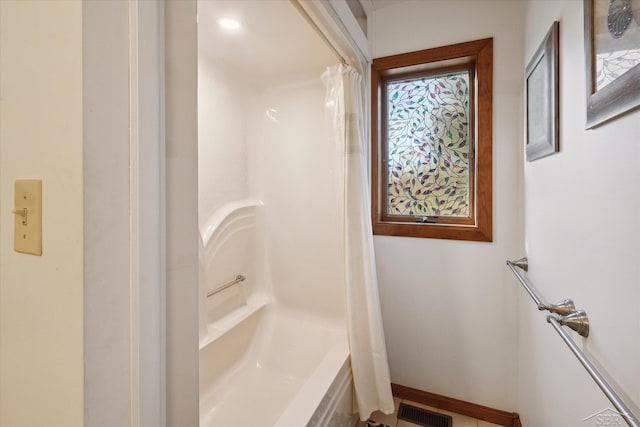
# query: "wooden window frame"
(477, 57)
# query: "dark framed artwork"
(612, 54)
(542, 120)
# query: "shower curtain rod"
(318, 31)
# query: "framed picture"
(542, 98)
(612, 54)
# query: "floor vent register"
(423, 417)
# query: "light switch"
(27, 235)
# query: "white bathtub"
(263, 363)
(275, 367)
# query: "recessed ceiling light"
(229, 24)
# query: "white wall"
(122, 158)
(449, 307)
(222, 177)
(298, 175)
(222, 137)
(582, 212)
(106, 209)
(181, 69)
(41, 298)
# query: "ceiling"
(273, 44)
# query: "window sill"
(435, 231)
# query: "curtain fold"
(369, 364)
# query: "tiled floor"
(392, 420)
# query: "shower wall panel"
(297, 172)
(222, 147)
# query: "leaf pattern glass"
(428, 146)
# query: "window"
(431, 148)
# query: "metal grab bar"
(239, 278)
(622, 409)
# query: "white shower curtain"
(345, 106)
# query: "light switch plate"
(27, 235)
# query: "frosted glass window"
(431, 149)
(428, 147)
